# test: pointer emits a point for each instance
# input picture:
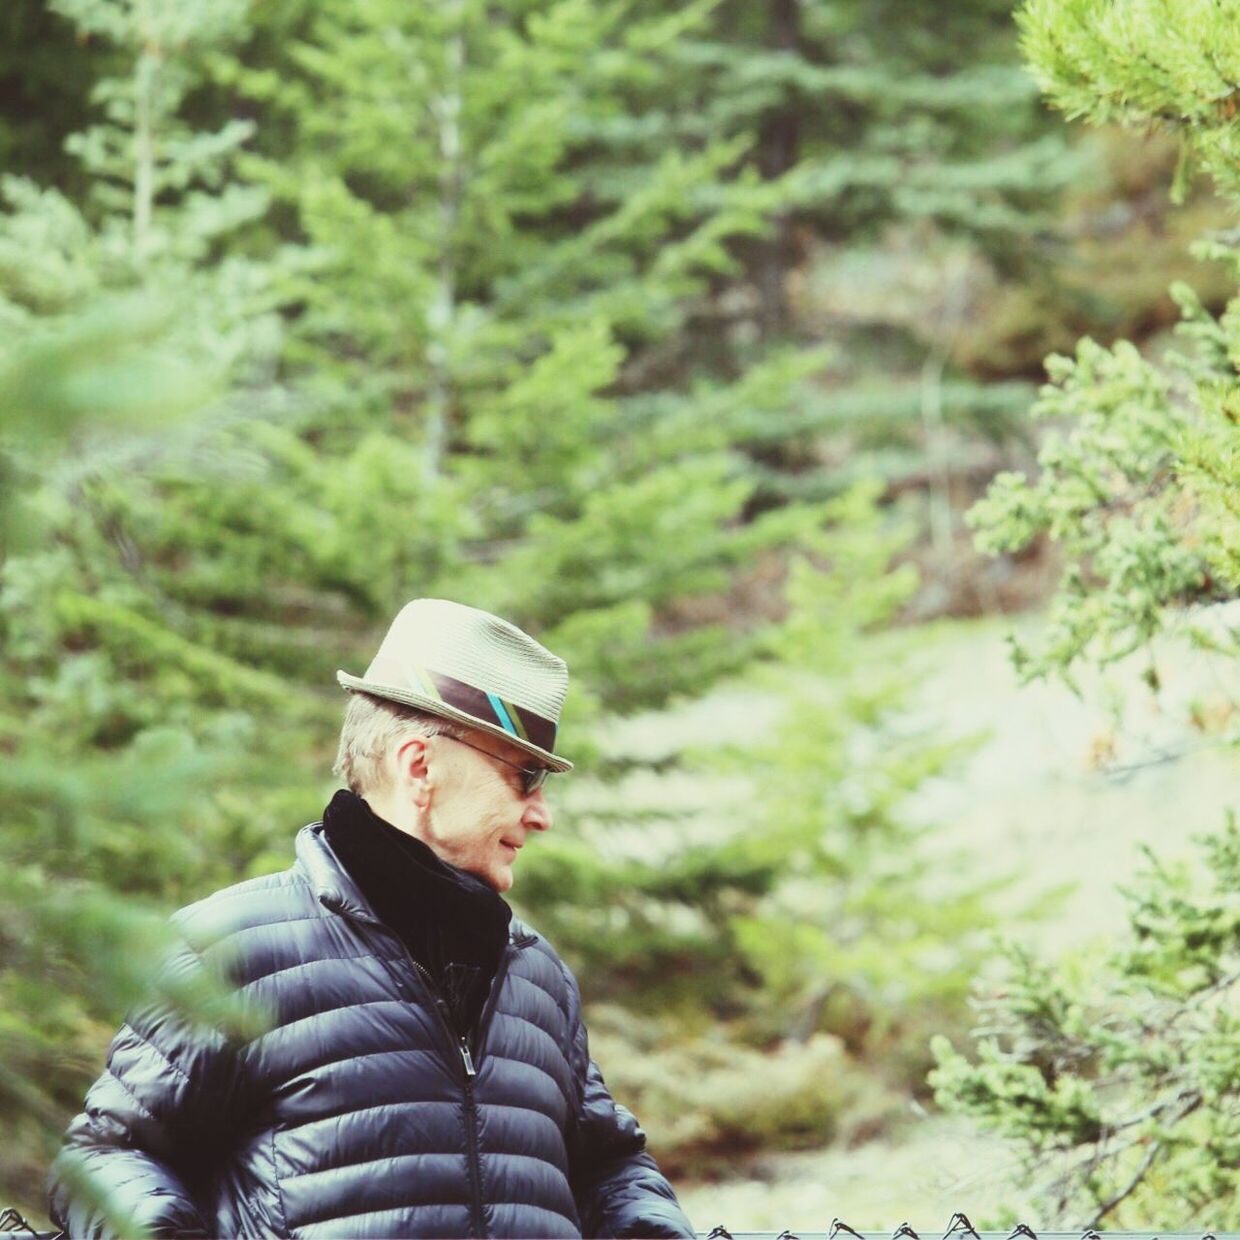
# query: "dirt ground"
(939, 1167)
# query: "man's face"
(478, 817)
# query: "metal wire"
(959, 1228)
(838, 1225)
(12, 1223)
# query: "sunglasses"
(532, 777)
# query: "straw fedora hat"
(474, 668)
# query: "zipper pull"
(468, 1060)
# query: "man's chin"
(499, 879)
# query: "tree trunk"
(778, 146)
(447, 111)
(146, 73)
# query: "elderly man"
(424, 1068)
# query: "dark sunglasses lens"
(533, 778)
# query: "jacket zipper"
(471, 1105)
(467, 1062)
(475, 1157)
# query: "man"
(424, 1068)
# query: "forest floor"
(1060, 793)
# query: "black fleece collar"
(444, 915)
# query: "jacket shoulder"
(267, 900)
(548, 969)
(527, 937)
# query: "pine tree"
(878, 141)
(1139, 486)
(1116, 1080)
(469, 350)
(120, 322)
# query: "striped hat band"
(517, 721)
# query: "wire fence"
(959, 1228)
(13, 1225)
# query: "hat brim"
(432, 706)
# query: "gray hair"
(372, 726)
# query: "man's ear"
(413, 769)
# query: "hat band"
(522, 724)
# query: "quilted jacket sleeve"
(619, 1188)
(150, 1125)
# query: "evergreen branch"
(1156, 1109)
(1142, 1171)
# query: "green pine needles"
(1117, 1078)
(1138, 480)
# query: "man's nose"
(537, 815)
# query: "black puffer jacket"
(358, 1113)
